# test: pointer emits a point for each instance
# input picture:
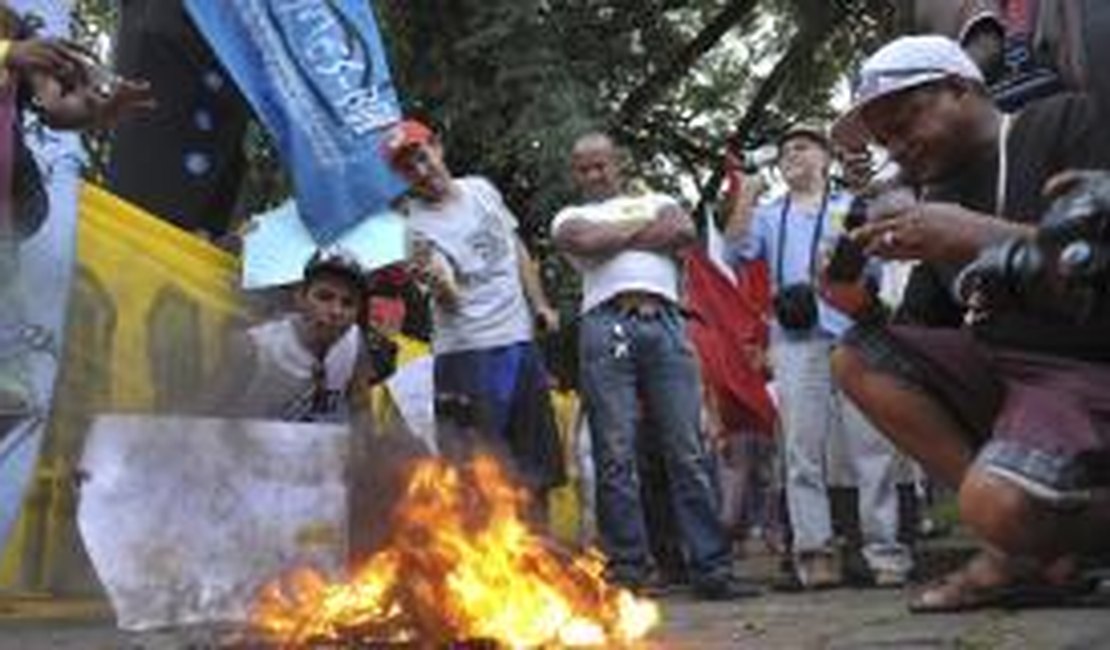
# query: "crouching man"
(1012, 406)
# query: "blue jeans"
(625, 358)
(508, 389)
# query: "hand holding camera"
(1063, 271)
(742, 190)
(935, 232)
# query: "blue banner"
(316, 74)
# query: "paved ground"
(834, 620)
(843, 619)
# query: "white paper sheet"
(277, 245)
(185, 519)
(412, 391)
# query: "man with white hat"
(1012, 410)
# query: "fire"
(461, 564)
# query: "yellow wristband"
(5, 47)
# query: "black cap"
(336, 262)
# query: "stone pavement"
(873, 620)
(833, 620)
(842, 619)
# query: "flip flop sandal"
(952, 593)
(956, 593)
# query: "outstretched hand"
(935, 232)
(127, 96)
(86, 105)
(58, 58)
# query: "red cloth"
(729, 320)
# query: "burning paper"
(460, 564)
(186, 518)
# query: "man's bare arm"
(586, 239)
(672, 230)
(937, 232)
(533, 288)
(740, 206)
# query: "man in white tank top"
(634, 352)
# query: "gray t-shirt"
(276, 376)
(476, 234)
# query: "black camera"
(1063, 272)
(847, 259)
(795, 307)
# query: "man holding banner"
(316, 75)
(38, 210)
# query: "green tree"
(513, 82)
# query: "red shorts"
(1042, 421)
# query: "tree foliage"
(513, 82)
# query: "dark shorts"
(509, 404)
(1040, 421)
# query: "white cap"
(902, 64)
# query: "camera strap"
(1004, 130)
(817, 233)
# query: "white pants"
(813, 412)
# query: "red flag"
(729, 331)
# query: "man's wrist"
(874, 312)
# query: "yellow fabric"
(564, 505)
(386, 416)
(151, 306)
(5, 49)
(150, 311)
(140, 260)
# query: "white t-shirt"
(475, 233)
(281, 386)
(631, 270)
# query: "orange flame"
(461, 564)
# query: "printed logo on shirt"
(489, 243)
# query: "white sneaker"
(818, 571)
(889, 578)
